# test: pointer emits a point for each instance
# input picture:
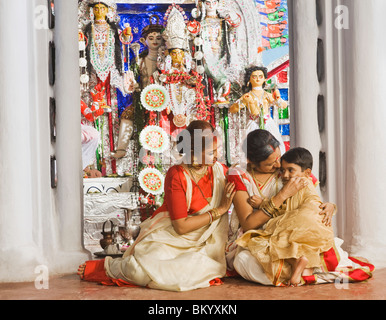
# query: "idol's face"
(154, 40)
(257, 78)
(211, 6)
(271, 164)
(177, 56)
(100, 11)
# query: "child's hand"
(255, 202)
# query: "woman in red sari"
(187, 233)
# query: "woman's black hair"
(248, 73)
(299, 156)
(259, 145)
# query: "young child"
(296, 235)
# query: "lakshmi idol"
(104, 73)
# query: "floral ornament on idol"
(154, 98)
(176, 77)
(154, 139)
(151, 181)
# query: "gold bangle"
(210, 217)
(273, 205)
(215, 214)
(267, 208)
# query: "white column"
(364, 107)
(19, 252)
(68, 141)
(304, 87)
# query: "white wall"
(38, 225)
(364, 108)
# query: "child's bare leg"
(298, 267)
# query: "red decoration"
(282, 77)
(194, 27)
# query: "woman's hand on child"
(255, 202)
(328, 210)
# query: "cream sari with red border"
(162, 259)
(335, 264)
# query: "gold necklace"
(258, 182)
(198, 176)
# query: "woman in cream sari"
(181, 247)
(262, 179)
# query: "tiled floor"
(69, 287)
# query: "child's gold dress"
(296, 231)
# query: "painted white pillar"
(304, 87)
(19, 249)
(362, 89)
(68, 140)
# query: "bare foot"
(297, 270)
(81, 270)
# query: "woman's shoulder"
(237, 171)
(176, 169)
(175, 172)
(223, 166)
(238, 176)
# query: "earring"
(92, 15)
(248, 84)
